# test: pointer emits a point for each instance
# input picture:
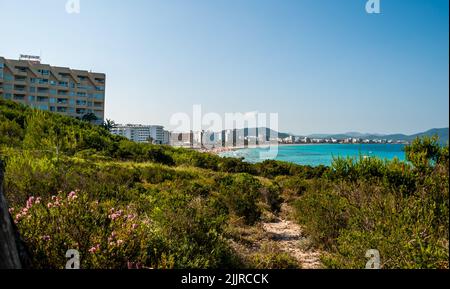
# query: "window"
(21, 69)
(82, 94)
(44, 72)
(52, 82)
(52, 91)
(52, 108)
(7, 87)
(8, 77)
(31, 98)
(99, 88)
(72, 102)
(63, 83)
(42, 99)
(43, 81)
(85, 87)
(8, 95)
(52, 100)
(99, 96)
(42, 90)
(2, 65)
(43, 107)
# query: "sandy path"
(288, 236)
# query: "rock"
(13, 252)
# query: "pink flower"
(30, 202)
(94, 249)
(46, 238)
(49, 205)
(134, 226)
(11, 210)
(119, 242)
(72, 196)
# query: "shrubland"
(73, 185)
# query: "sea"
(319, 154)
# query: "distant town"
(156, 134)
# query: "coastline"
(219, 150)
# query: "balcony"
(19, 88)
(62, 101)
(19, 97)
(20, 79)
(42, 99)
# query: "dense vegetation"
(73, 185)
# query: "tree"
(109, 124)
(424, 152)
(150, 139)
(89, 117)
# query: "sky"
(324, 66)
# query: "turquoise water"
(321, 154)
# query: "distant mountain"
(443, 134)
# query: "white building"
(166, 137)
(141, 133)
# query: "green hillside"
(73, 185)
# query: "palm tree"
(89, 117)
(109, 124)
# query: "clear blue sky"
(324, 66)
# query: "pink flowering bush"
(106, 237)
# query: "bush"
(240, 193)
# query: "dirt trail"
(288, 236)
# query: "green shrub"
(241, 193)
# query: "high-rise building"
(142, 133)
(63, 90)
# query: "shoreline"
(220, 150)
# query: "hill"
(441, 132)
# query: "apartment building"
(62, 90)
(142, 133)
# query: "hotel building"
(58, 89)
(142, 133)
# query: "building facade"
(142, 133)
(58, 89)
